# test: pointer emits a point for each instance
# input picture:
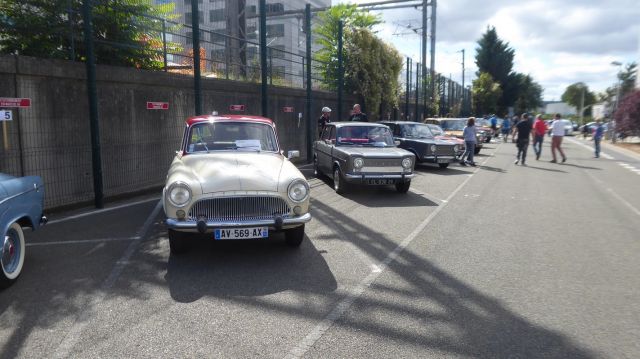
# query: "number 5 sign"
(6, 115)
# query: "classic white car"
(231, 180)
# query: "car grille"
(443, 150)
(240, 208)
(383, 162)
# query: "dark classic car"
(362, 153)
(439, 134)
(418, 139)
(21, 201)
(455, 126)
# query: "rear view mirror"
(293, 154)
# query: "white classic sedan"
(231, 180)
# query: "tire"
(12, 259)
(403, 187)
(316, 170)
(339, 185)
(443, 165)
(476, 151)
(294, 236)
(177, 242)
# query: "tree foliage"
(125, 31)
(529, 94)
(573, 95)
(486, 93)
(627, 115)
(626, 80)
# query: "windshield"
(417, 130)
(453, 125)
(365, 136)
(436, 130)
(231, 136)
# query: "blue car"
(21, 202)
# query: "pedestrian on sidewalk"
(598, 132)
(540, 129)
(557, 134)
(358, 115)
(324, 120)
(522, 132)
(469, 135)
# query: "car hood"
(430, 141)
(235, 171)
(385, 152)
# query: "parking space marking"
(72, 337)
(629, 167)
(602, 186)
(102, 210)
(101, 240)
(352, 295)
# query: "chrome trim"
(35, 189)
(192, 225)
(378, 176)
(239, 208)
(381, 169)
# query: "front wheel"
(443, 165)
(177, 242)
(403, 187)
(12, 258)
(294, 236)
(339, 184)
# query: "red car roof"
(204, 118)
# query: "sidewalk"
(608, 146)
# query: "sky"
(557, 42)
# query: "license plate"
(380, 181)
(443, 161)
(240, 233)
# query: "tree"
(573, 96)
(529, 94)
(127, 32)
(327, 38)
(626, 80)
(494, 56)
(485, 94)
(627, 115)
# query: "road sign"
(236, 108)
(157, 105)
(6, 115)
(287, 109)
(14, 102)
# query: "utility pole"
(406, 94)
(424, 55)
(417, 92)
(433, 50)
(195, 26)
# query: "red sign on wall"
(14, 102)
(157, 105)
(287, 109)
(236, 108)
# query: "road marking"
(37, 244)
(602, 154)
(72, 337)
(89, 213)
(343, 305)
(630, 167)
(614, 194)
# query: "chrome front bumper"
(435, 159)
(192, 226)
(355, 178)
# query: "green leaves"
(573, 95)
(486, 93)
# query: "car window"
(231, 136)
(377, 136)
(453, 125)
(417, 131)
(436, 130)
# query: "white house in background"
(552, 107)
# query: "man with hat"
(323, 120)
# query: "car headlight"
(433, 148)
(358, 163)
(298, 190)
(179, 194)
(456, 148)
(406, 163)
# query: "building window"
(275, 30)
(277, 51)
(218, 36)
(277, 71)
(250, 10)
(188, 19)
(216, 15)
(275, 7)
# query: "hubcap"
(336, 179)
(10, 252)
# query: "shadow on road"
(582, 167)
(546, 169)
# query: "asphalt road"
(499, 261)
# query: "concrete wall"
(51, 138)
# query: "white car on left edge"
(230, 180)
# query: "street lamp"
(612, 128)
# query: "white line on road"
(602, 154)
(318, 331)
(614, 194)
(37, 244)
(89, 213)
(83, 319)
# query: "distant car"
(438, 134)
(418, 139)
(362, 153)
(230, 180)
(455, 126)
(568, 127)
(484, 126)
(575, 125)
(21, 203)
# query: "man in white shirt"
(557, 133)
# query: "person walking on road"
(598, 132)
(469, 135)
(324, 120)
(522, 133)
(358, 115)
(505, 128)
(557, 134)
(540, 129)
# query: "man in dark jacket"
(323, 120)
(522, 133)
(357, 115)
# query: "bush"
(627, 115)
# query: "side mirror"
(396, 142)
(293, 154)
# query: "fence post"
(164, 43)
(310, 128)
(417, 92)
(263, 56)
(227, 54)
(195, 27)
(71, 39)
(96, 157)
(406, 94)
(270, 65)
(340, 68)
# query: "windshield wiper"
(242, 147)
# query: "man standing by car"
(557, 134)
(598, 132)
(357, 115)
(540, 129)
(522, 133)
(323, 120)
